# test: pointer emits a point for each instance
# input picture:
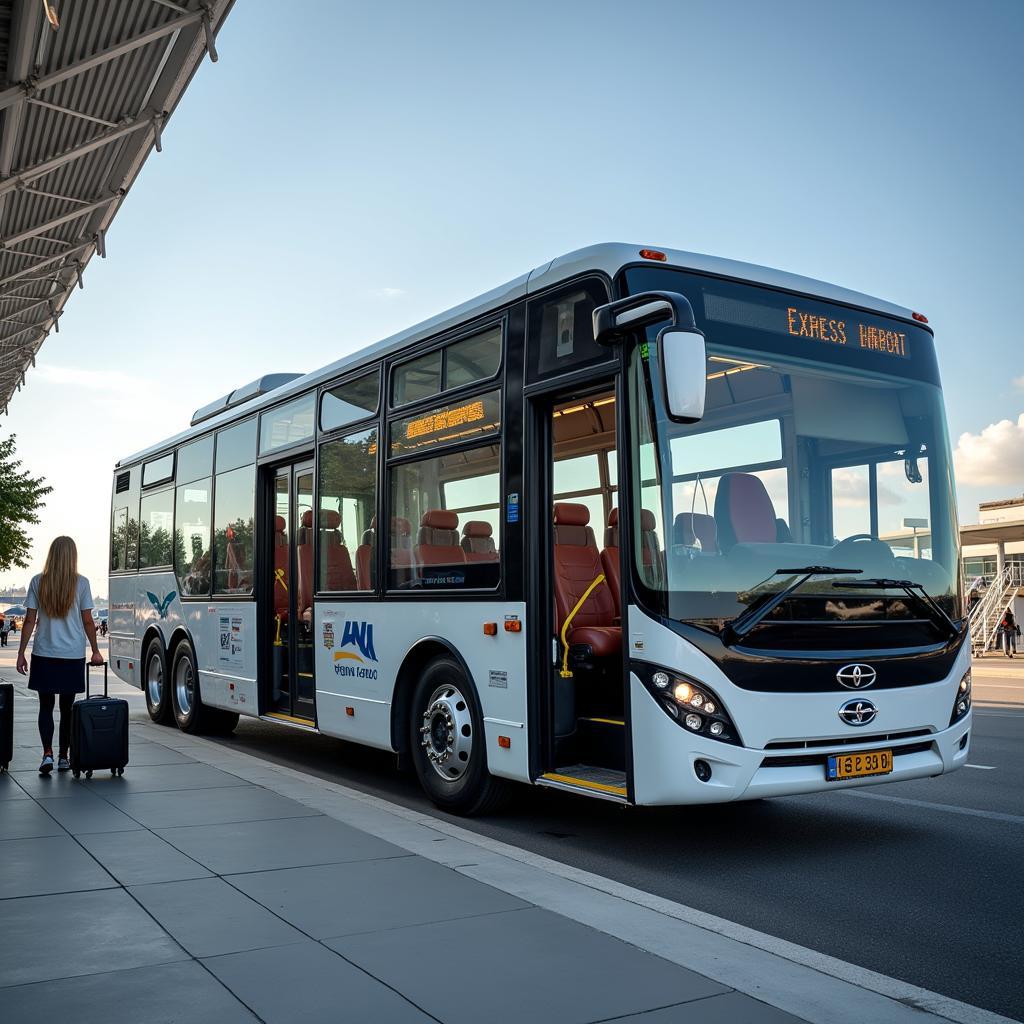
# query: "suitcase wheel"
(76, 774)
(116, 771)
(88, 774)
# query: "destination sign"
(447, 424)
(804, 324)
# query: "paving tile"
(545, 967)
(138, 858)
(50, 864)
(46, 787)
(23, 819)
(143, 753)
(729, 1008)
(265, 845)
(167, 994)
(164, 778)
(9, 788)
(206, 806)
(78, 933)
(88, 813)
(208, 917)
(308, 984)
(343, 899)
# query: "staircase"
(984, 619)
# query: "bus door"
(581, 621)
(291, 690)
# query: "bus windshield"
(798, 464)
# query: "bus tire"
(220, 722)
(446, 737)
(191, 714)
(155, 676)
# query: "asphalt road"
(920, 880)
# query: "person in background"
(5, 630)
(60, 604)
(1010, 630)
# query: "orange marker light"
(920, 318)
(513, 626)
(351, 712)
(505, 742)
(653, 254)
(490, 629)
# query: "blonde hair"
(58, 584)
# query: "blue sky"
(351, 169)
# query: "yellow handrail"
(565, 672)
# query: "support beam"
(45, 263)
(26, 88)
(70, 113)
(40, 229)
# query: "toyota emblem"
(858, 712)
(856, 677)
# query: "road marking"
(982, 767)
(809, 984)
(1013, 819)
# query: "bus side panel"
(226, 653)
(360, 649)
(123, 653)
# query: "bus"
(614, 528)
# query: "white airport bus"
(613, 527)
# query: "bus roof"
(606, 257)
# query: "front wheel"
(155, 673)
(446, 736)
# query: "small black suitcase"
(99, 732)
(6, 725)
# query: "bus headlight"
(962, 699)
(693, 705)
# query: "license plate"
(856, 766)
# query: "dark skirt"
(56, 675)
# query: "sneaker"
(47, 766)
(63, 764)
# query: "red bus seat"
(477, 542)
(364, 557)
(693, 527)
(336, 569)
(577, 565)
(437, 542)
(401, 551)
(610, 559)
(744, 513)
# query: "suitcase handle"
(87, 667)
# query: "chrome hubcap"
(155, 680)
(447, 733)
(184, 685)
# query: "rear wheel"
(191, 714)
(446, 736)
(155, 675)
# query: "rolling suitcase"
(99, 732)
(6, 725)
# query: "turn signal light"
(513, 626)
(920, 318)
(490, 629)
(505, 742)
(654, 254)
(351, 712)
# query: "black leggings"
(46, 720)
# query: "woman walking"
(59, 608)
(1010, 630)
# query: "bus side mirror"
(683, 360)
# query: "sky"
(350, 169)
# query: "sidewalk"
(208, 885)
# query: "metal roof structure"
(85, 92)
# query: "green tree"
(21, 498)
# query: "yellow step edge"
(288, 718)
(606, 721)
(585, 783)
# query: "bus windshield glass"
(823, 447)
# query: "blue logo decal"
(360, 636)
(161, 606)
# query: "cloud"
(993, 458)
(91, 380)
(387, 293)
(1018, 383)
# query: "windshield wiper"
(736, 629)
(936, 614)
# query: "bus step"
(581, 778)
(601, 742)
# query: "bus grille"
(846, 741)
(807, 760)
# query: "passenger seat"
(693, 528)
(477, 542)
(437, 542)
(744, 512)
(335, 561)
(577, 564)
(365, 556)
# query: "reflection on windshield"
(794, 465)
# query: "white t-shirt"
(61, 638)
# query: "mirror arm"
(614, 321)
